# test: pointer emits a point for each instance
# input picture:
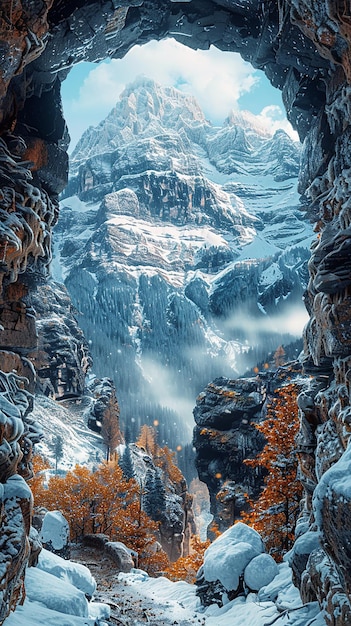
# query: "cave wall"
(303, 46)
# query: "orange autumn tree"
(186, 567)
(275, 512)
(164, 458)
(103, 502)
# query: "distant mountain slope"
(179, 242)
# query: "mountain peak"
(145, 108)
(248, 122)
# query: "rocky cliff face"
(225, 414)
(304, 48)
(61, 358)
(224, 436)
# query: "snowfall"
(57, 591)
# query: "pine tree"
(126, 464)
(148, 492)
(57, 448)
(158, 498)
(274, 514)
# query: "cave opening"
(303, 46)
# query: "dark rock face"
(120, 556)
(61, 358)
(225, 435)
(304, 48)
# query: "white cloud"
(273, 117)
(217, 80)
(204, 74)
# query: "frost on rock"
(55, 533)
(27, 213)
(233, 564)
(17, 436)
(261, 570)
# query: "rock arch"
(303, 46)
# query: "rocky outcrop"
(225, 435)
(165, 498)
(61, 358)
(304, 48)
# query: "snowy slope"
(67, 420)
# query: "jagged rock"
(223, 437)
(175, 515)
(304, 545)
(35, 547)
(61, 358)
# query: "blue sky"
(220, 81)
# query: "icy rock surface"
(55, 532)
(261, 570)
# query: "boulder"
(55, 534)
(120, 555)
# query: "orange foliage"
(165, 460)
(147, 439)
(103, 502)
(187, 566)
(275, 512)
(40, 465)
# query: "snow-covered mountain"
(183, 246)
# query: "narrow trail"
(128, 607)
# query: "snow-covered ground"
(56, 597)
(67, 420)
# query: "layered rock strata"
(304, 48)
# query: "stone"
(54, 534)
(120, 555)
(261, 570)
(98, 540)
